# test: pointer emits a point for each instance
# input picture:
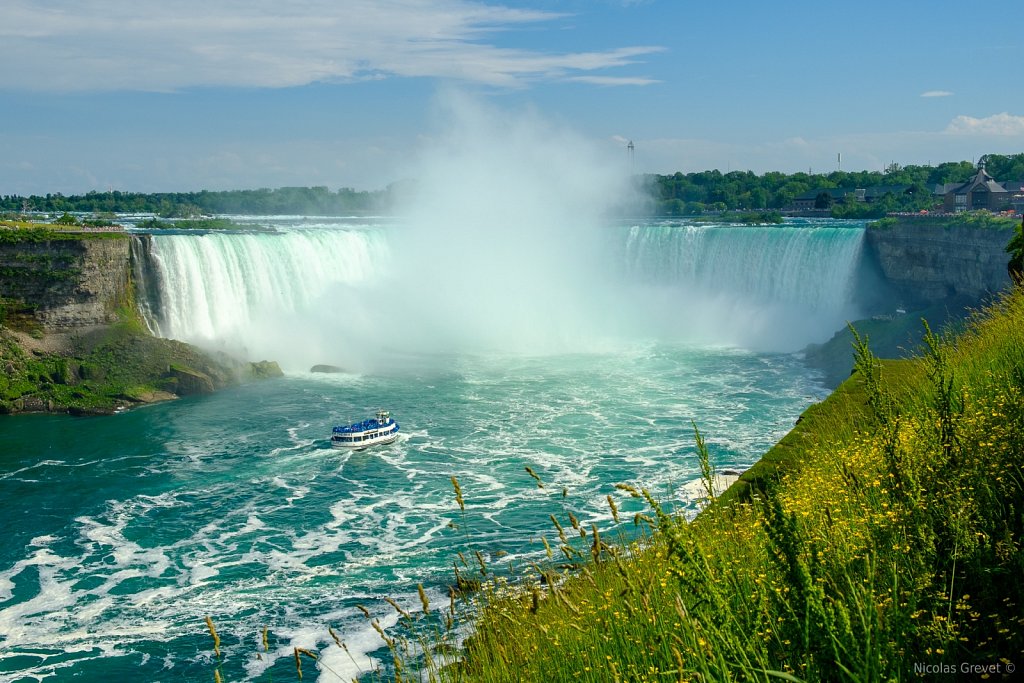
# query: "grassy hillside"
(881, 541)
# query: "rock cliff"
(927, 261)
(67, 283)
(934, 269)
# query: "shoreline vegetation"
(109, 369)
(887, 535)
(676, 195)
(882, 540)
(201, 224)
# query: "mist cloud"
(504, 237)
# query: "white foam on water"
(54, 595)
(41, 557)
(370, 524)
(200, 572)
(361, 641)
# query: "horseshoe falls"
(340, 293)
(583, 358)
(256, 293)
(764, 287)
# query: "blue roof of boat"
(372, 423)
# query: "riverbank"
(887, 538)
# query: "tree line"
(676, 194)
(694, 193)
(316, 201)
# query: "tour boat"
(372, 432)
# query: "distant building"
(809, 200)
(981, 192)
(1015, 189)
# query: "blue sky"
(150, 95)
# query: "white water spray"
(502, 244)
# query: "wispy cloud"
(154, 45)
(613, 80)
(936, 93)
(997, 124)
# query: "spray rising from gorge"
(307, 295)
(501, 243)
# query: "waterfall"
(770, 287)
(236, 291)
(312, 295)
(815, 266)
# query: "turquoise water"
(123, 533)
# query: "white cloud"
(613, 80)
(155, 45)
(997, 124)
(936, 93)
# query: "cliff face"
(925, 262)
(70, 340)
(70, 283)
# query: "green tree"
(1016, 250)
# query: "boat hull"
(362, 445)
(365, 434)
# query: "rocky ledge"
(109, 369)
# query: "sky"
(157, 96)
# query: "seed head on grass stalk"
(547, 547)
(343, 646)
(481, 562)
(458, 494)
(380, 631)
(596, 548)
(575, 522)
(614, 507)
(216, 638)
(298, 659)
(707, 468)
(423, 598)
(398, 608)
(536, 478)
(561, 531)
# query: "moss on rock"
(110, 369)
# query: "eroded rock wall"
(926, 263)
(68, 283)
